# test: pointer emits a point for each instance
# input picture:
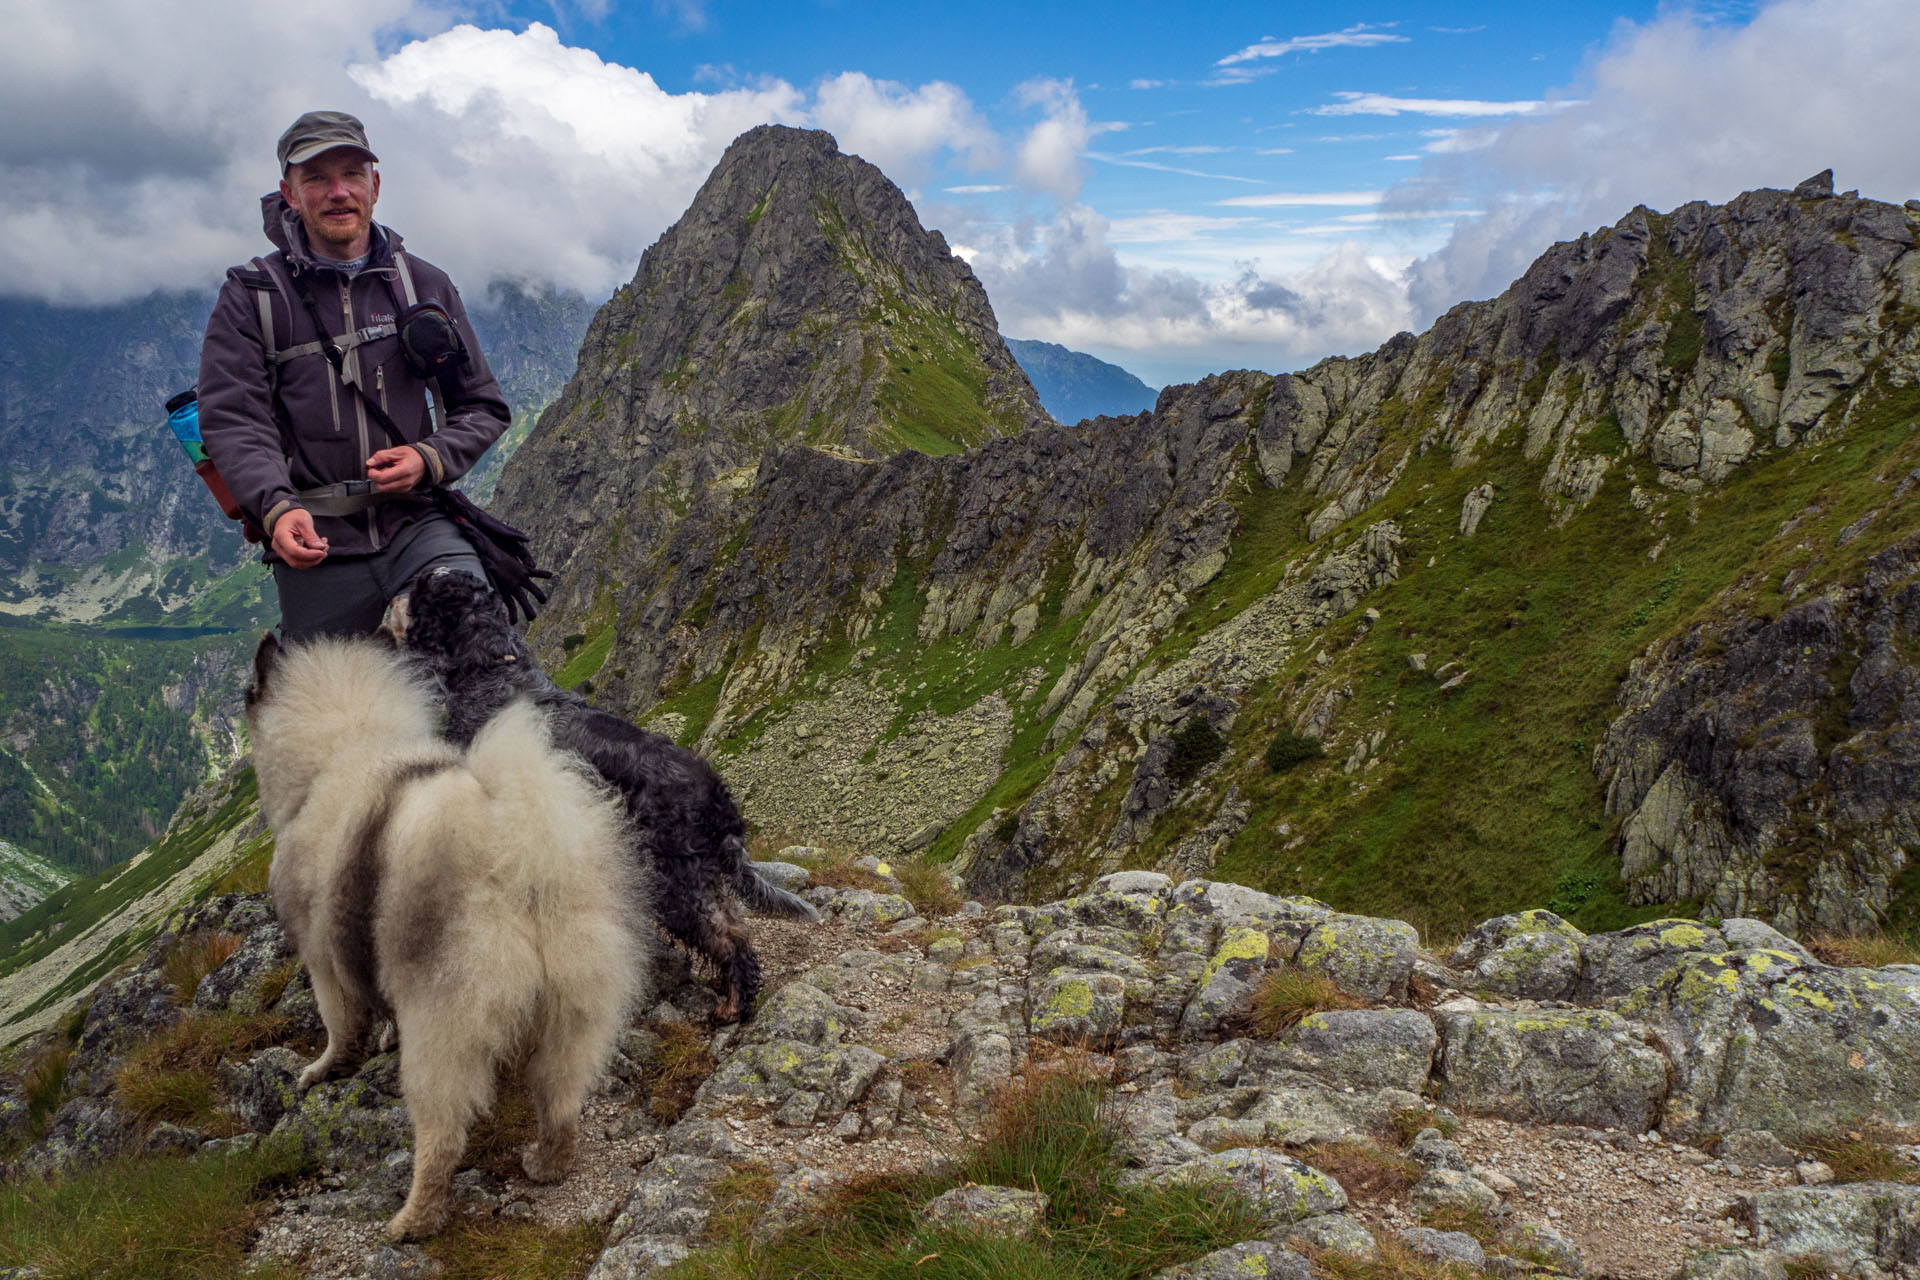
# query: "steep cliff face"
(1418, 631)
(798, 300)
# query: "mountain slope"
(797, 300)
(1074, 385)
(1069, 651)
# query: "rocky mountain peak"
(797, 301)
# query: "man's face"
(334, 194)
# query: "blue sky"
(1179, 189)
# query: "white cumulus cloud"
(1681, 109)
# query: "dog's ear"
(393, 624)
(266, 657)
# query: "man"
(300, 362)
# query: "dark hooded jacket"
(316, 430)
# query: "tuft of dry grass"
(681, 1065)
(170, 1077)
(193, 958)
(738, 1199)
(43, 1083)
(1864, 950)
(925, 885)
(1866, 1154)
(1477, 1223)
(834, 868)
(1409, 1121)
(474, 1248)
(1285, 996)
(1369, 1173)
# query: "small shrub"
(1867, 1154)
(1196, 744)
(679, 1068)
(192, 959)
(925, 885)
(1289, 749)
(1005, 829)
(1287, 995)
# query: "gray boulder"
(1843, 1226)
(992, 1211)
(1253, 1260)
(1553, 1066)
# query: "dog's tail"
(563, 840)
(761, 894)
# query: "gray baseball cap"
(319, 131)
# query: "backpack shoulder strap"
(412, 296)
(406, 277)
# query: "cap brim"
(302, 154)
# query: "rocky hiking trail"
(1536, 1102)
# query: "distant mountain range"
(1074, 385)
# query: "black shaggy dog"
(686, 824)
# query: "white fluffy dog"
(481, 899)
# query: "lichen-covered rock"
(1843, 1226)
(1430, 1149)
(1369, 957)
(1756, 1147)
(1282, 1188)
(864, 907)
(1073, 1007)
(803, 1012)
(769, 1073)
(1541, 1243)
(1621, 963)
(261, 1089)
(1444, 1246)
(1557, 1066)
(236, 983)
(83, 1131)
(1449, 1190)
(796, 1197)
(1530, 955)
(1341, 1234)
(1734, 1264)
(992, 1211)
(1353, 1048)
(1225, 985)
(673, 1197)
(1308, 1111)
(1253, 1260)
(1763, 1040)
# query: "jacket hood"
(282, 227)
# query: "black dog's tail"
(761, 894)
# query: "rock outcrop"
(907, 1029)
(1102, 627)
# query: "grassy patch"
(170, 1076)
(927, 888)
(1867, 1154)
(193, 958)
(145, 1218)
(1054, 1134)
(682, 1065)
(1287, 995)
(1368, 1173)
(587, 659)
(1865, 951)
(1412, 1121)
(497, 1248)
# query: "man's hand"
(295, 541)
(396, 470)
